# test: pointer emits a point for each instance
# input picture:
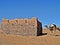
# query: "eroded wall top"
(20, 21)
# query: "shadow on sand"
(57, 35)
(44, 34)
(49, 34)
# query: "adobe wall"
(24, 27)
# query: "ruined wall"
(24, 27)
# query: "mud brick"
(11, 21)
(5, 21)
(24, 27)
(34, 20)
(18, 21)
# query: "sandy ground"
(46, 39)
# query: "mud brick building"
(23, 27)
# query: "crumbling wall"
(24, 27)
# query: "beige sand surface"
(31, 40)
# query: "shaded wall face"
(24, 27)
(39, 28)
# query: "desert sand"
(46, 39)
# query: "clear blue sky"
(47, 11)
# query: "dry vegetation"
(30, 40)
